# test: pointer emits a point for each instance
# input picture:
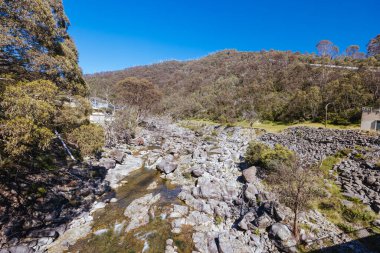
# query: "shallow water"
(149, 238)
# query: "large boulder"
(263, 221)
(209, 188)
(107, 163)
(138, 211)
(167, 165)
(370, 180)
(251, 192)
(230, 244)
(20, 249)
(250, 174)
(280, 232)
(117, 155)
(283, 237)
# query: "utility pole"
(326, 107)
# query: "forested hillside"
(268, 85)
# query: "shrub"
(254, 152)
(218, 220)
(261, 154)
(346, 228)
(356, 214)
(88, 138)
(123, 127)
(280, 155)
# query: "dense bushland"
(42, 89)
(269, 85)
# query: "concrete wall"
(369, 119)
(100, 118)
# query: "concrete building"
(370, 119)
(99, 104)
(102, 111)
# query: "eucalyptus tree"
(34, 44)
(373, 46)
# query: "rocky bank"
(224, 201)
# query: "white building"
(370, 119)
(102, 111)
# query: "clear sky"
(116, 34)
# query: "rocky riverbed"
(190, 191)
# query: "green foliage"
(88, 138)
(346, 227)
(271, 158)
(29, 110)
(41, 87)
(261, 154)
(331, 206)
(136, 92)
(328, 164)
(357, 214)
(34, 44)
(343, 153)
(218, 220)
(73, 113)
(231, 86)
(255, 151)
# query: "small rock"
(100, 232)
(370, 180)
(197, 172)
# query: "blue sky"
(116, 34)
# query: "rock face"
(138, 211)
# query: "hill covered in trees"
(270, 85)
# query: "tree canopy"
(268, 85)
(34, 44)
(41, 85)
(373, 46)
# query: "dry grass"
(268, 126)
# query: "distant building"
(370, 119)
(98, 104)
(102, 111)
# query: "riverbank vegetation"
(42, 88)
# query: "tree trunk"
(295, 224)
